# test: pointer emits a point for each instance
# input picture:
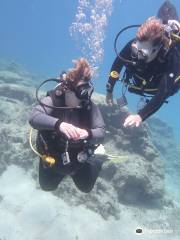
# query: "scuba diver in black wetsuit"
(70, 127)
(152, 63)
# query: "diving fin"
(167, 11)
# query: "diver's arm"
(97, 131)
(157, 101)
(117, 67)
(166, 86)
(40, 118)
(114, 74)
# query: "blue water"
(36, 34)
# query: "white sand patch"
(28, 213)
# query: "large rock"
(16, 101)
(136, 171)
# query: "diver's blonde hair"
(151, 30)
(81, 71)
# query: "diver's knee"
(47, 188)
(85, 189)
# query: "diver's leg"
(48, 177)
(86, 176)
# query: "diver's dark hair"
(151, 30)
(167, 12)
(81, 71)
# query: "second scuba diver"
(152, 63)
(70, 127)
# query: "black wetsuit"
(160, 77)
(45, 120)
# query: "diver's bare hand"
(133, 120)
(109, 99)
(175, 25)
(83, 133)
(69, 130)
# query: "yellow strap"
(177, 79)
(145, 89)
(175, 37)
(153, 89)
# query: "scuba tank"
(167, 11)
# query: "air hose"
(46, 158)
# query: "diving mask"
(145, 50)
(84, 90)
(79, 95)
